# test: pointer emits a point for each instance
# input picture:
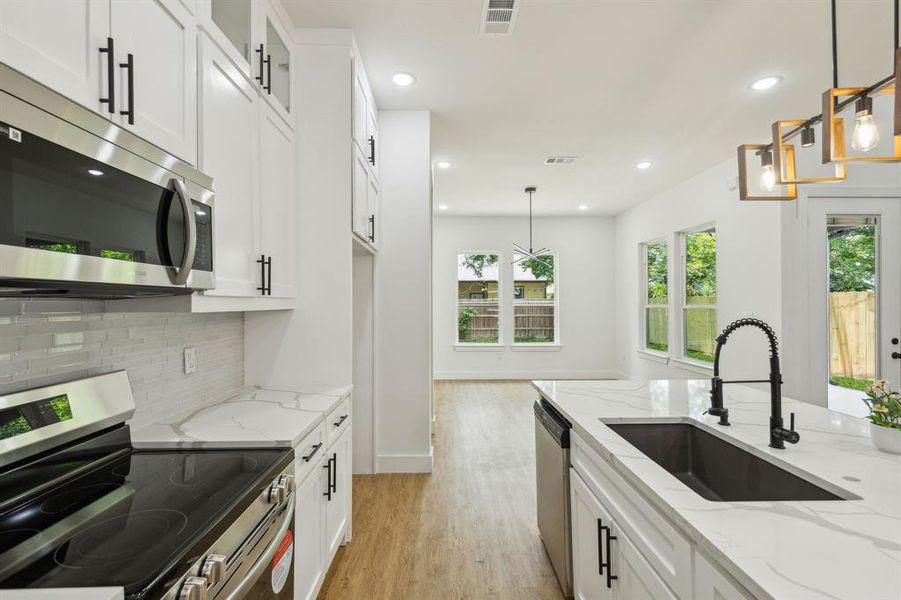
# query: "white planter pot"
(886, 438)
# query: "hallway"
(468, 530)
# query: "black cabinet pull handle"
(601, 529)
(265, 263)
(312, 453)
(333, 473)
(610, 576)
(896, 355)
(260, 76)
(268, 86)
(372, 150)
(339, 421)
(328, 487)
(110, 99)
(130, 65)
(372, 228)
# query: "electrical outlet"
(190, 360)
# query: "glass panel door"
(232, 17)
(280, 73)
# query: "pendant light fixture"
(530, 253)
(778, 169)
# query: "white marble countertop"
(258, 417)
(848, 549)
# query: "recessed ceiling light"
(403, 79)
(442, 207)
(443, 164)
(643, 165)
(765, 83)
(95, 172)
(583, 207)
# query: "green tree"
(478, 262)
(852, 259)
(657, 284)
(541, 268)
(700, 265)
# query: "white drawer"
(308, 452)
(337, 421)
(658, 541)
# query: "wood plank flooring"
(468, 530)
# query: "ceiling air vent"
(560, 160)
(498, 17)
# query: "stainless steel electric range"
(81, 507)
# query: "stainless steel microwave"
(89, 210)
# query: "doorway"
(858, 308)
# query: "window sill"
(458, 347)
(694, 366)
(657, 357)
(536, 347)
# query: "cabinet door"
(374, 222)
(373, 140)
(360, 192)
(228, 153)
(636, 579)
(588, 543)
(57, 42)
(277, 86)
(309, 520)
(710, 584)
(162, 39)
(278, 204)
(360, 111)
(338, 508)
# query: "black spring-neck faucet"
(778, 434)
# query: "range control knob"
(277, 493)
(194, 588)
(213, 569)
(287, 481)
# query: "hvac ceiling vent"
(560, 160)
(498, 17)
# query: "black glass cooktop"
(135, 520)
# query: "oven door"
(266, 567)
(82, 216)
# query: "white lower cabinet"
(322, 519)
(624, 549)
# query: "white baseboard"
(404, 463)
(528, 375)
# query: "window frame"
(500, 304)
(681, 303)
(514, 345)
(644, 305)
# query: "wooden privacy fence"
(533, 320)
(852, 334)
(483, 324)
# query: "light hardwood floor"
(468, 530)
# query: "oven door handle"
(263, 562)
(187, 261)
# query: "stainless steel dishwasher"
(552, 477)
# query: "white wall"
(584, 247)
(403, 295)
(749, 263)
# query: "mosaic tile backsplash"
(49, 341)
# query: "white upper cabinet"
(360, 206)
(229, 153)
(360, 111)
(278, 204)
(374, 222)
(157, 73)
(373, 140)
(232, 28)
(62, 52)
(278, 67)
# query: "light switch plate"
(190, 360)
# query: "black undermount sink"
(715, 469)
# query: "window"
(478, 288)
(656, 297)
(699, 309)
(534, 299)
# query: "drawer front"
(309, 451)
(658, 541)
(337, 421)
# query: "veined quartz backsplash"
(49, 341)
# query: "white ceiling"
(613, 82)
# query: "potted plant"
(885, 417)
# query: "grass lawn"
(698, 355)
(851, 383)
(533, 340)
(658, 347)
(484, 340)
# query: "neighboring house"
(525, 285)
